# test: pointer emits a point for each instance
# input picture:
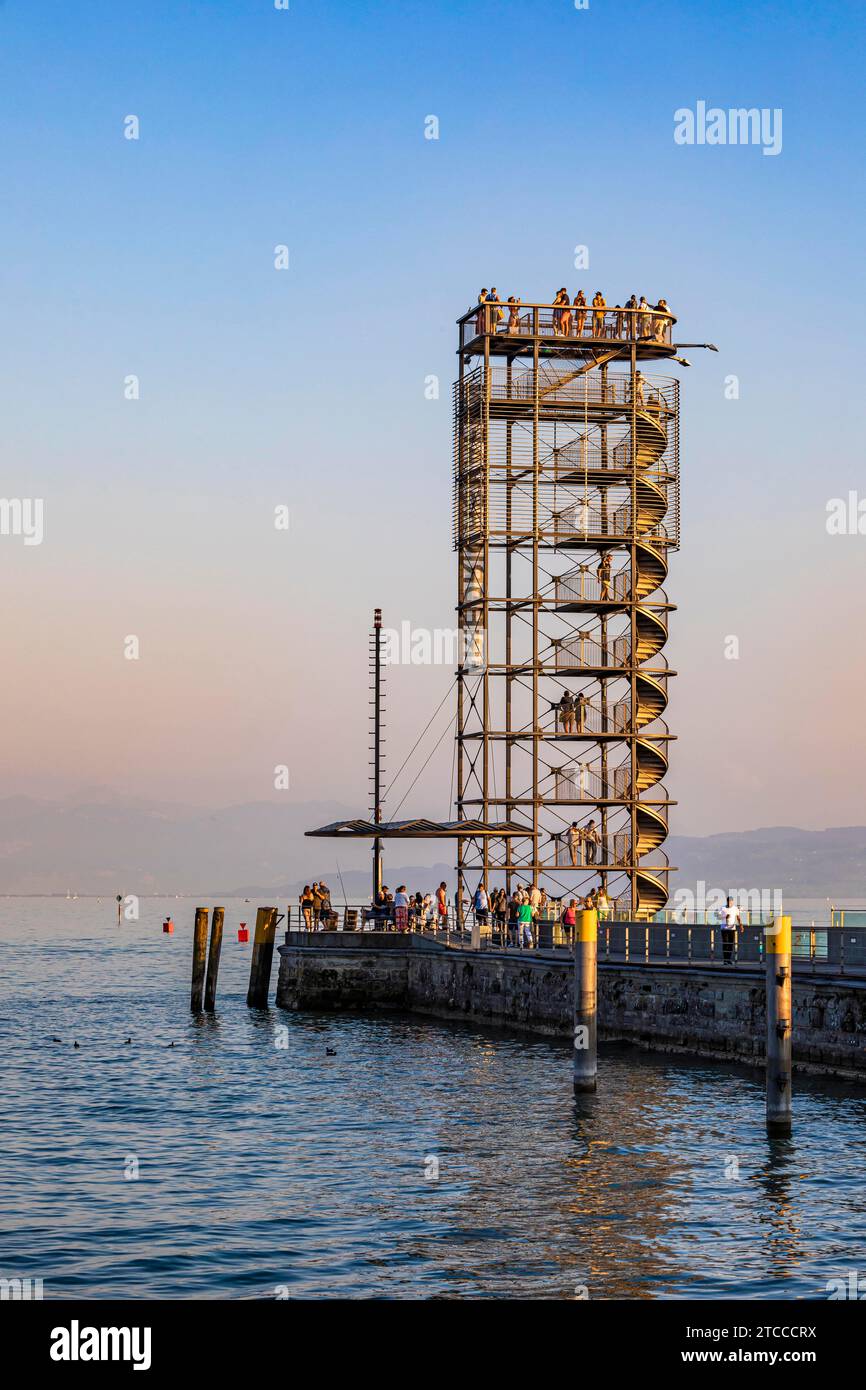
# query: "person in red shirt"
(569, 919)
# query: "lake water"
(267, 1167)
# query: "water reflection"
(778, 1177)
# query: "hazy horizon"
(109, 844)
(106, 795)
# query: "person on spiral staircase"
(566, 712)
(603, 574)
(575, 843)
(592, 840)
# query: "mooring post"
(263, 954)
(777, 957)
(199, 952)
(213, 958)
(585, 1001)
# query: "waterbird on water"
(330, 1052)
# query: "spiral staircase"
(645, 600)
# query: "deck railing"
(593, 718)
(581, 521)
(560, 385)
(587, 781)
(582, 585)
(585, 650)
(598, 325)
(611, 849)
(562, 514)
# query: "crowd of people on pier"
(517, 917)
(577, 318)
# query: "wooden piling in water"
(199, 951)
(777, 957)
(263, 954)
(213, 958)
(586, 1001)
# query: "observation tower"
(566, 510)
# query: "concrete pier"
(703, 1011)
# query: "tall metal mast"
(376, 744)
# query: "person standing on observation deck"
(599, 304)
(481, 316)
(580, 313)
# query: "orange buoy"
(243, 933)
(168, 925)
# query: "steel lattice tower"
(566, 505)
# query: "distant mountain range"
(106, 843)
(802, 863)
(115, 845)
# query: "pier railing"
(828, 951)
(675, 938)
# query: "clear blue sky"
(306, 127)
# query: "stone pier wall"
(706, 1011)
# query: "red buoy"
(243, 934)
(168, 925)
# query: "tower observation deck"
(566, 508)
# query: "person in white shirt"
(481, 905)
(731, 922)
(401, 909)
(575, 841)
(591, 841)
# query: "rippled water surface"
(265, 1164)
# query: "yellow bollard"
(585, 1001)
(777, 956)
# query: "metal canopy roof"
(419, 829)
